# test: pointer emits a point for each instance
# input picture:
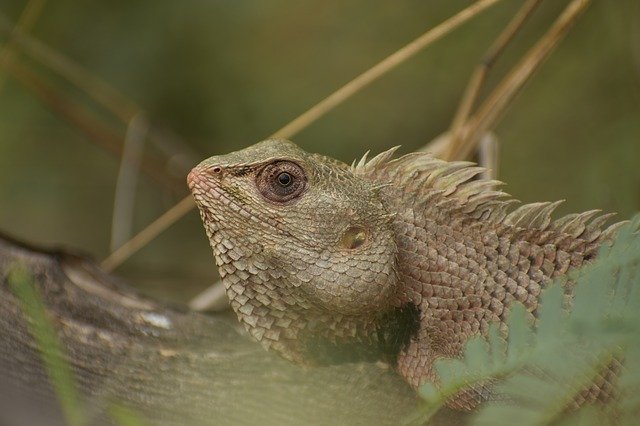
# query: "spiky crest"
(429, 180)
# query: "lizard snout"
(199, 174)
(193, 178)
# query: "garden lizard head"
(303, 245)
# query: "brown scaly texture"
(395, 259)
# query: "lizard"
(396, 259)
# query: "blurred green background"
(215, 76)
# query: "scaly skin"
(402, 260)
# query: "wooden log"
(169, 367)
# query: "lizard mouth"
(220, 209)
(209, 198)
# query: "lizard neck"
(311, 336)
(462, 269)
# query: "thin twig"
(27, 20)
(214, 298)
(147, 234)
(437, 146)
(479, 75)
(126, 183)
(78, 116)
(493, 107)
(304, 120)
(97, 89)
(70, 110)
(101, 92)
(488, 156)
(383, 67)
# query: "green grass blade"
(51, 350)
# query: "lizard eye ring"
(281, 181)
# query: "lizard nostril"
(216, 170)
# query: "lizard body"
(397, 259)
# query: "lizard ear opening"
(353, 237)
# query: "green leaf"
(551, 313)
(520, 333)
(476, 354)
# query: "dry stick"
(479, 75)
(493, 107)
(97, 89)
(148, 234)
(214, 298)
(311, 115)
(488, 156)
(27, 20)
(103, 94)
(126, 183)
(79, 117)
(70, 110)
(383, 67)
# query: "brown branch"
(127, 181)
(165, 366)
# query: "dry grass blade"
(27, 20)
(304, 120)
(126, 183)
(213, 298)
(494, 106)
(383, 67)
(480, 73)
(147, 234)
(79, 117)
(101, 92)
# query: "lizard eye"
(281, 181)
(284, 179)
